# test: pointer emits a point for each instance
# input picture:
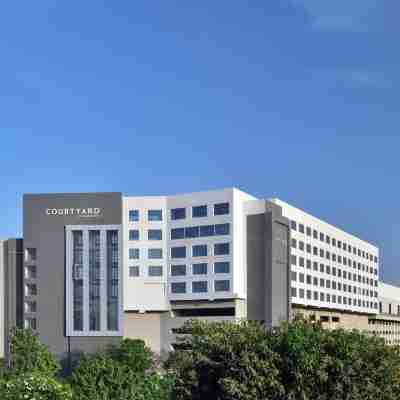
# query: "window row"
(200, 231)
(201, 250)
(152, 254)
(200, 269)
(200, 286)
(332, 241)
(152, 270)
(200, 211)
(331, 298)
(322, 282)
(152, 234)
(301, 262)
(152, 215)
(331, 256)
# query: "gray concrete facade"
(44, 221)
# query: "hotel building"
(94, 267)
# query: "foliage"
(244, 361)
(28, 355)
(34, 387)
(102, 377)
(133, 354)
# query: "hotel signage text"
(81, 212)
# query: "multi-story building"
(93, 267)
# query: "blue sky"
(297, 99)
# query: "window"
(301, 292)
(30, 289)
(321, 237)
(222, 229)
(301, 245)
(301, 261)
(178, 252)
(199, 211)
(154, 234)
(293, 259)
(133, 271)
(199, 250)
(191, 232)
(178, 213)
(301, 228)
(293, 225)
(294, 292)
(30, 255)
(154, 215)
(294, 243)
(177, 233)
(133, 254)
(154, 254)
(221, 267)
(199, 269)
(133, 215)
(221, 209)
(178, 287)
(315, 234)
(30, 306)
(222, 286)
(308, 231)
(207, 230)
(155, 270)
(294, 276)
(301, 277)
(133, 234)
(221, 249)
(30, 272)
(178, 270)
(30, 323)
(199, 287)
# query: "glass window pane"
(155, 253)
(207, 230)
(178, 252)
(154, 234)
(133, 215)
(191, 232)
(221, 249)
(154, 215)
(178, 270)
(178, 213)
(199, 211)
(133, 254)
(178, 287)
(221, 268)
(199, 287)
(177, 233)
(200, 269)
(155, 270)
(221, 208)
(222, 229)
(199, 250)
(222, 286)
(134, 271)
(133, 234)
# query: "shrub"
(34, 387)
(28, 355)
(244, 361)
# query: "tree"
(28, 355)
(244, 361)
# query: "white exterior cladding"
(323, 255)
(149, 293)
(389, 299)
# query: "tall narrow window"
(112, 280)
(94, 280)
(77, 238)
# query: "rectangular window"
(178, 213)
(30, 323)
(293, 225)
(155, 270)
(30, 255)
(112, 281)
(199, 287)
(178, 287)
(133, 271)
(154, 234)
(133, 234)
(294, 243)
(154, 215)
(30, 272)
(199, 269)
(221, 209)
(178, 270)
(133, 254)
(294, 292)
(94, 280)
(222, 286)
(178, 252)
(30, 306)
(293, 259)
(199, 250)
(77, 259)
(177, 233)
(199, 211)
(221, 268)
(222, 229)
(192, 232)
(301, 228)
(308, 231)
(153, 254)
(207, 230)
(221, 249)
(133, 215)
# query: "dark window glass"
(221, 267)
(178, 252)
(154, 234)
(154, 215)
(178, 270)
(177, 233)
(207, 230)
(200, 269)
(133, 215)
(191, 232)
(199, 287)
(178, 287)
(155, 270)
(199, 250)
(178, 213)
(133, 234)
(222, 286)
(221, 208)
(199, 211)
(222, 229)
(221, 249)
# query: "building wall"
(324, 261)
(45, 218)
